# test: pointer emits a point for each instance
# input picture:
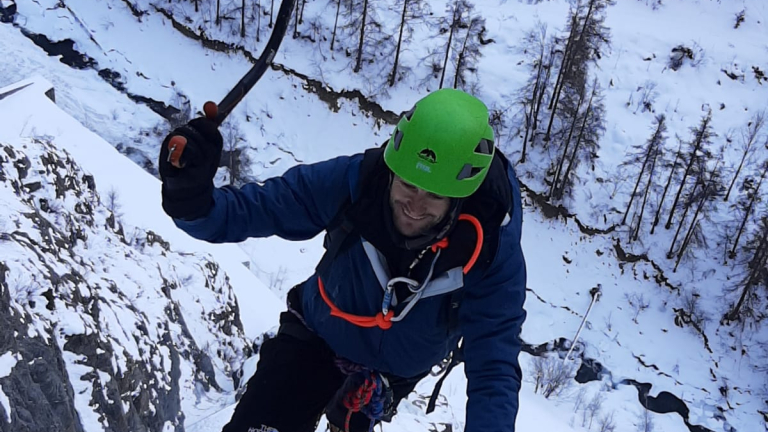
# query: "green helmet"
(444, 145)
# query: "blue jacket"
(301, 203)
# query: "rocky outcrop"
(97, 325)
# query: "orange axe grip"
(177, 143)
(175, 149)
(211, 110)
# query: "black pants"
(296, 381)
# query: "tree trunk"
(637, 183)
(529, 120)
(753, 130)
(704, 198)
(566, 59)
(564, 67)
(578, 140)
(296, 21)
(393, 75)
(448, 46)
(657, 217)
(541, 91)
(218, 15)
(335, 24)
(301, 15)
(242, 20)
(757, 263)
(671, 253)
(736, 176)
(559, 169)
(271, 14)
(460, 61)
(645, 196)
(699, 141)
(651, 149)
(258, 20)
(360, 44)
(197, 5)
(748, 212)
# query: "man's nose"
(418, 202)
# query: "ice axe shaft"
(218, 113)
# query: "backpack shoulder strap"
(457, 356)
(339, 228)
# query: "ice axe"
(218, 113)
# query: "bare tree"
(587, 35)
(335, 23)
(592, 410)
(645, 421)
(113, 202)
(362, 23)
(535, 45)
(607, 423)
(242, 19)
(552, 376)
(565, 65)
(697, 151)
(413, 11)
(588, 140)
(748, 137)
(746, 204)
(705, 206)
(646, 156)
(750, 305)
(469, 54)
(233, 157)
(673, 169)
(456, 12)
(575, 117)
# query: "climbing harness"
(386, 316)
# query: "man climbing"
(422, 250)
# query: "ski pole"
(218, 113)
(595, 292)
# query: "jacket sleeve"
(491, 318)
(295, 206)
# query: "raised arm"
(295, 206)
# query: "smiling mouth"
(411, 216)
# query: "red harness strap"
(382, 321)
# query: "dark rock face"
(98, 325)
(39, 376)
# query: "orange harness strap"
(382, 321)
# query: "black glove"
(188, 191)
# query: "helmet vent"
(484, 147)
(409, 113)
(468, 171)
(398, 139)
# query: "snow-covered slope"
(108, 323)
(638, 331)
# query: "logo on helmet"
(428, 155)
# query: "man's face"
(415, 210)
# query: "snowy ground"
(289, 126)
